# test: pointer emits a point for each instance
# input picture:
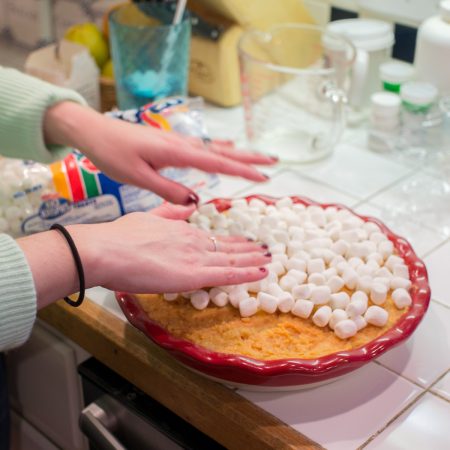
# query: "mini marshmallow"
(350, 278)
(281, 257)
(345, 329)
(377, 257)
(338, 259)
(285, 302)
(287, 283)
(340, 247)
(208, 209)
(401, 270)
(399, 282)
(276, 267)
(382, 280)
(401, 298)
(392, 261)
(218, 297)
(303, 291)
(236, 295)
(328, 273)
(284, 202)
(200, 299)
(370, 227)
(320, 295)
(355, 262)
(322, 316)
(356, 307)
(317, 279)
(296, 263)
(375, 315)
(337, 316)
(331, 213)
(277, 248)
(378, 293)
(268, 303)
(299, 275)
(334, 233)
(318, 218)
(377, 237)
(339, 300)
(360, 322)
(386, 249)
(281, 236)
(335, 284)
(383, 272)
(364, 283)
(359, 295)
(350, 236)
(294, 247)
(315, 265)
(302, 308)
(170, 297)
(274, 289)
(257, 204)
(342, 267)
(248, 307)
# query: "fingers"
(215, 163)
(239, 259)
(241, 156)
(221, 276)
(237, 246)
(175, 212)
(165, 188)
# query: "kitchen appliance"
(118, 416)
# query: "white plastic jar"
(433, 49)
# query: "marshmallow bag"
(33, 196)
(292, 373)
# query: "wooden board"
(214, 409)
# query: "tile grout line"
(437, 381)
(408, 406)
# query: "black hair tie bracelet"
(77, 259)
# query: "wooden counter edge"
(219, 412)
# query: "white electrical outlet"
(405, 12)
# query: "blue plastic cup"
(150, 55)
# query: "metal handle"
(91, 423)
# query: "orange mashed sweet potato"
(263, 336)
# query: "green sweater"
(23, 102)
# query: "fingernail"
(265, 176)
(264, 246)
(192, 198)
(275, 158)
(263, 269)
(268, 254)
(250, 240)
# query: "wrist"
(70, 124)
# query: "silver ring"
(214, 241)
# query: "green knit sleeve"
(23, 102)
(17, 295)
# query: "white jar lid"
(385, 104)
(396, 72)
(444, 10)
(366, 34)
(418, 93)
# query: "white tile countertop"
(402, 400)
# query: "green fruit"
(108, 69)
(90, 36)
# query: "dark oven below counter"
(117, 415)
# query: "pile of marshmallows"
(316, 253)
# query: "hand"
(141, 252)
(134, 154)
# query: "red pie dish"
(288, 373)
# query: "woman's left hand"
(135, 154)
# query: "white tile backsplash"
(342, 415)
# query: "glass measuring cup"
(293, 80)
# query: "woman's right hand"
(160, 252)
